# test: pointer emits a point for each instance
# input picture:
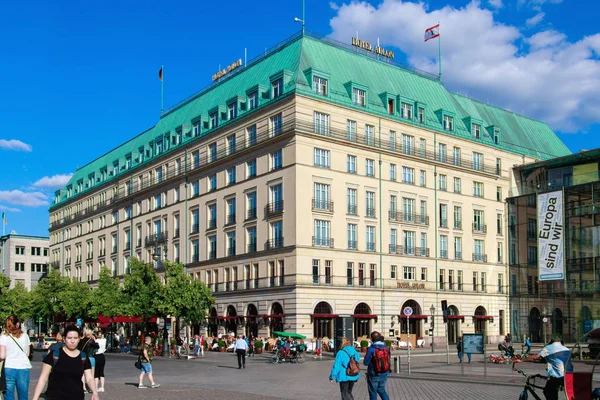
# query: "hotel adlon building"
(318, 180)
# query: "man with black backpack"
(378, 360)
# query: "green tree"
(74, 300)
(142, 289)
(14, 301)
(184, 297)
(107, 298)
(44, 297)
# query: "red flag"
(160, 74)
(432, 32)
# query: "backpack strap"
(56, 354)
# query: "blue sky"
(79, 78)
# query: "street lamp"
(301, 21)
(432, 309)
(544, 321)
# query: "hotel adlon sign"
(356, 42)
(231, 67)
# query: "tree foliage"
(107, 298)
(184, 297)
(45, 296)
(142, 289)
(74, 300)
(14, 301)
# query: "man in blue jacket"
(377, 379)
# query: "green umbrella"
(290, 335)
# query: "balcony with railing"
(479, 228)
(274, 243)
(156, 239)
(478, 257)
(409, 251)
(458, 255)
(352, 209)
(322, 205)
(458, 225)
(231, 252)
(212, 224)
(195, 257)
(370, 246)
(352, 245)
(212, 255)
(444, 254)
(408, 218)
(251, 247)
(273, 209)
(444, 223)
(322, 242)
(370, 212)
(251, 214)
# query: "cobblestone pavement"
(216, 377)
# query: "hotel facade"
(318, 180)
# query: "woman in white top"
(14, 349)
(100, 361)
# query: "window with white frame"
(408, 175)
(359, 97)
(457, 185)
(321, 158)
(322, 195)
(277, 88)
(351, 233)
(370, 135)
(231, 144)
(442, 152)
(421, 116)
(448, 123)
(477, 161)
(408, 144)
(253, 100)
(231, 176)
(409, 273)
(351, 195)
(476, 130)
(407, 110)
(392, 140)
(351, 164)
(456, 159)
(351, 130)
(214, 120)
(393, 272)
(369, 167)
(322, 233)
(393, 172)
(424, 273)
(478, 189)
(276, 160)
(251, 135)
(276, 125)
(321, 123)
(422, 178)
(422, 148)
(443, 182)
(232, 111)
(320, 85)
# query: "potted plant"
(221, 344)
(258, 346)
(364, 345)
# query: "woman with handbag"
(14, 350)
(63, 368)
(345, 368)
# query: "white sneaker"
(142, 387)
(100, 390)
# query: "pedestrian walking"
(62, 370)
(89, 346)
(122, 343)
(240, 349)
(59, 342)
(459, 349)
(202, 344)
(14, 350)
(179, 341)
(100, 362)
(146, 360)
(342, 370)
(377, 361)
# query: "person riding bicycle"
(558, 358)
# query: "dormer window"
(214, 120)
(391, 106)
(421, 115)
(252, 100)
(79, 186)
(407, 110)
(496, 137)
(448, 123)
(128, 162)
(320, 86)
(159, 146)
(104, 174)
(359, 97)
(115, 168)
(196, 129)
(476, 130)
(232, 111)
(277, 88)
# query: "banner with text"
(550, 236)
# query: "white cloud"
(553, 80)
(14, 144)
(496, 3)
(29, 199)
(8, 209)
(53, 182)
(536, 19)
(334, 6)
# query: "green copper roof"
(293, 60)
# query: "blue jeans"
(376, 385)
(17, 379)
(460, 356)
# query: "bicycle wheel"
(300, 358)
(274, 359)
(524, 395)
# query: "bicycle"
(530, 386)
(292, 356)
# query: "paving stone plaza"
(215, 376)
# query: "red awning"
(414, 316)
(460, 317)
(229, 317)
(324, 316)
(484, 317)
(135, 320)
(364, 316)
(251, 316)
(273, 316)
(103, 320)
(104, 325)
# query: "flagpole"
(440, 51)
(162, 89)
